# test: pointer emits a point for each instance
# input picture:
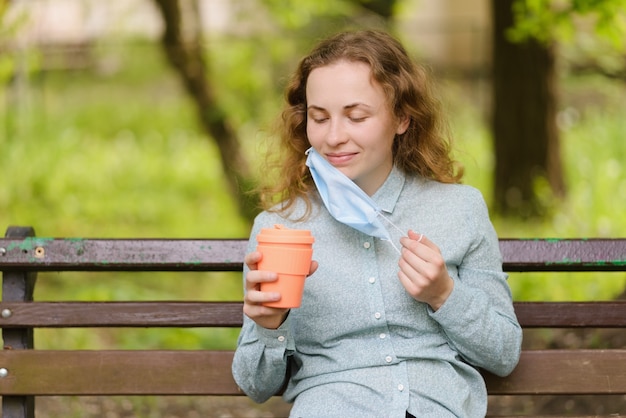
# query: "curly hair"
(424, 149)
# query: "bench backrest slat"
(159, 372)
(132, 372)
(587, 372)
(597, 254)
(49, 254)
(229, 314)
(121, 314)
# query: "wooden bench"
(26, 372)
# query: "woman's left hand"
(423, 271)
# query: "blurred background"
(148, 118)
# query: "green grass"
(120, 154)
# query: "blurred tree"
(552, 20)
(182, 43)
(383, 8)
(526, 138)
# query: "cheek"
(312, 133)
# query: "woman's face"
(350, 123)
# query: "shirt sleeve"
(478, 317)
(260, 363)
(261, 359)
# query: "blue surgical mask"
(345, 201)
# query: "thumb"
(415, 236)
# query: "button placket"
(371, 270)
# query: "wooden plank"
(59, 254)
(564, 254)
(571, 314)
(39, 372)
(121, 314)
(230, 314)
(563, 372)
(76, 254)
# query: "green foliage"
(550, 20)
(295, 15)
(113, 157)
(590, 34)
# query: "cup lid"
(280, 234)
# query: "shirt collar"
(388, 194)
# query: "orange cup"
(287, 252)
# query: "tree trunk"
(187, 58)
(526, 137)
(382, 8)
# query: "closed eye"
(317, 115)
(319, 120)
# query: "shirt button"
(372, 280)
(388, 359)
(401, 387)
(382, 336)
(281, 338)
(377, 315)
(366, 245)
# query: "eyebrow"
(349, 106)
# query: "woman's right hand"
(253, 299)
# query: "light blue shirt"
(360, 345)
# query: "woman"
(378, 334)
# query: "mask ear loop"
(379, 213)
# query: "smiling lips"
(340, 159)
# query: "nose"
(337, 133)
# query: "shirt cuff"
(277, 338)
(455, 309)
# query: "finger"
(423, 239)
(412, 240)
(255, 309)
(252, 259)
(421, 264)
(256, 297)
(314, 266)
(255, 277)
(264, 316)
(412, 265)
(424, 248)
(409, 284)
(411, 258)
(415, 236)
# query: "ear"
(403, 124)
